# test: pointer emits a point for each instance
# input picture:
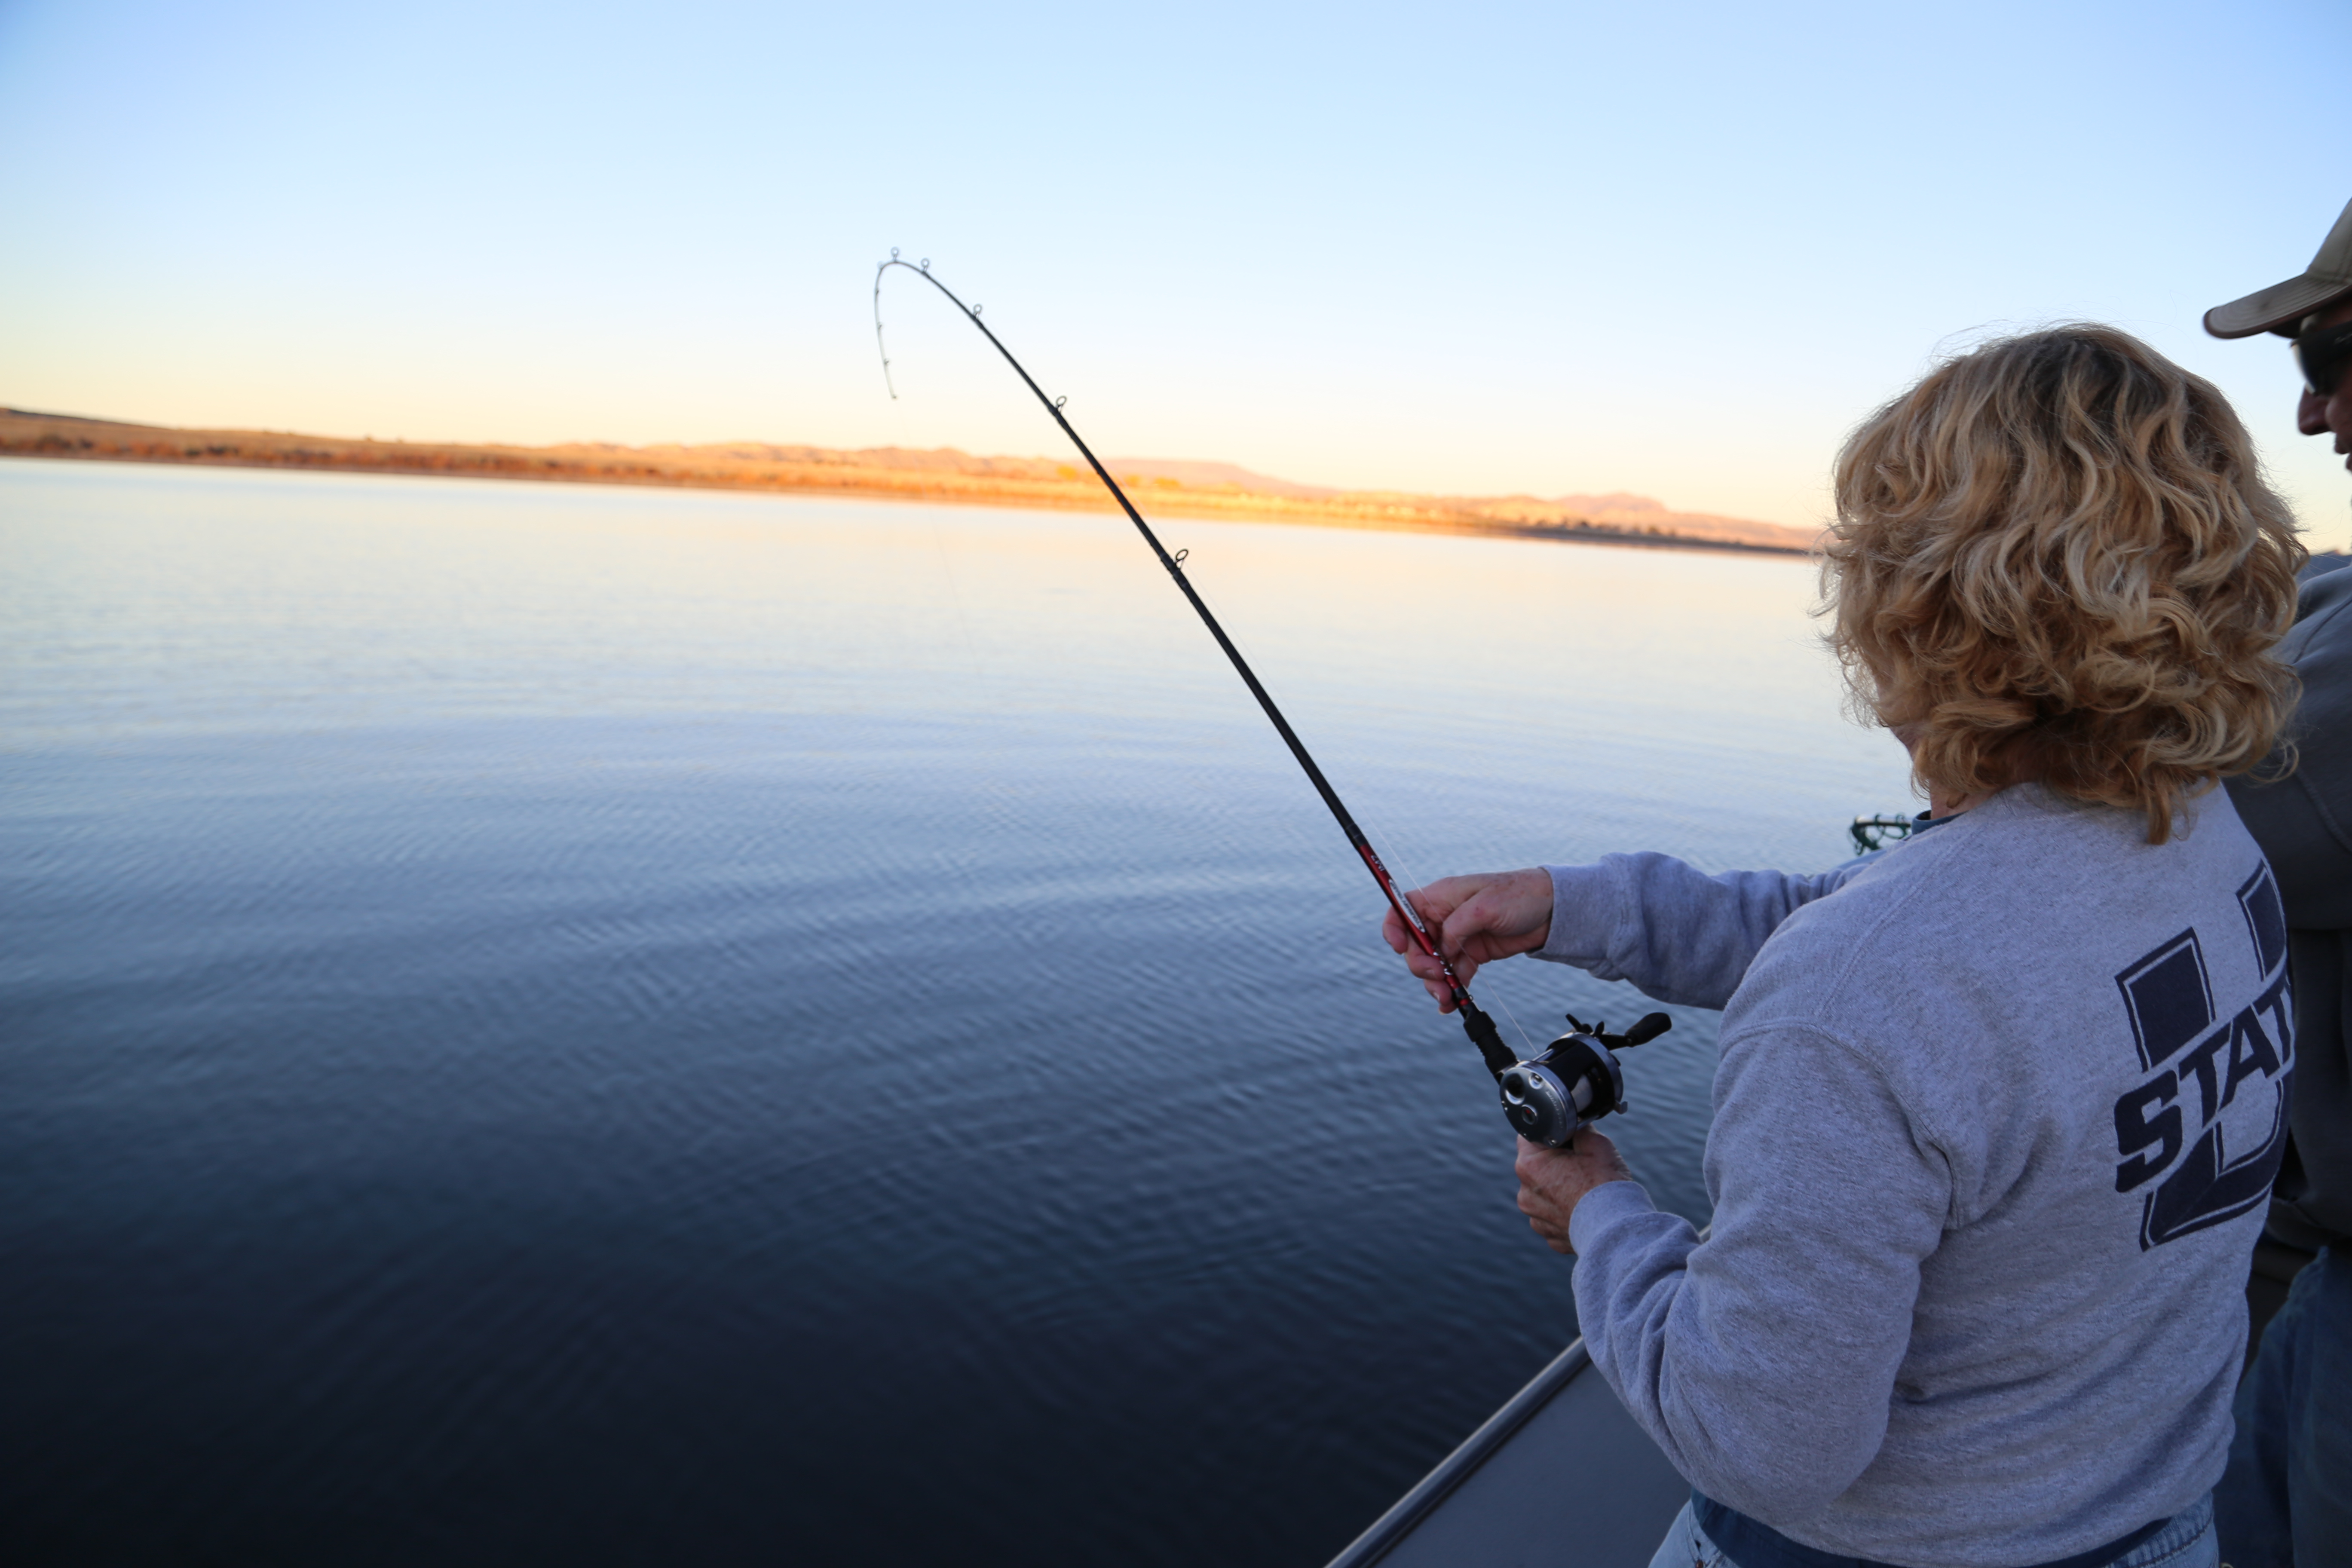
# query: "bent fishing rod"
(1572, 1082)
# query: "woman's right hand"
(1473, 920)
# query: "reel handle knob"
(1648, 1029)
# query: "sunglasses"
(2323, 355)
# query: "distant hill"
(1212, 475)
(1162, 487)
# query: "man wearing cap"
(2287, 1497)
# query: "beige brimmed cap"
(2279, 307)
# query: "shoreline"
(946, 476)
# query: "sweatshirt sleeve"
(1679, 935)
(1763, 1359)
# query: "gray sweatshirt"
(2304, 825)
(1996, 1115)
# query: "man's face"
(2316, 415)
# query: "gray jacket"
(2304, 824)
(1997, 1115)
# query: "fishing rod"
(1547, 1097)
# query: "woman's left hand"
(1475, 921)
(1551, 1181)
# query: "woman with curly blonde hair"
(1997, 1110)
(2055, 559)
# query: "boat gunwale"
(1403, 1516)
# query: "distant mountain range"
(1161, 486)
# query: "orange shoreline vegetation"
(1162, 488)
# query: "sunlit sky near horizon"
(1473, 248)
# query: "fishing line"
(1400, 864)
(1499, 1058)
(972, 679)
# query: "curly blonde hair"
(2055, 557)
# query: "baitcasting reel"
(1574, 1083)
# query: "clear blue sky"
(1677, 249)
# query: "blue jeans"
(2287, 1495)
(2187, 1542)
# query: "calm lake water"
(549, 1024)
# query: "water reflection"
(633, 1022)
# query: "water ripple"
(622, 1027)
